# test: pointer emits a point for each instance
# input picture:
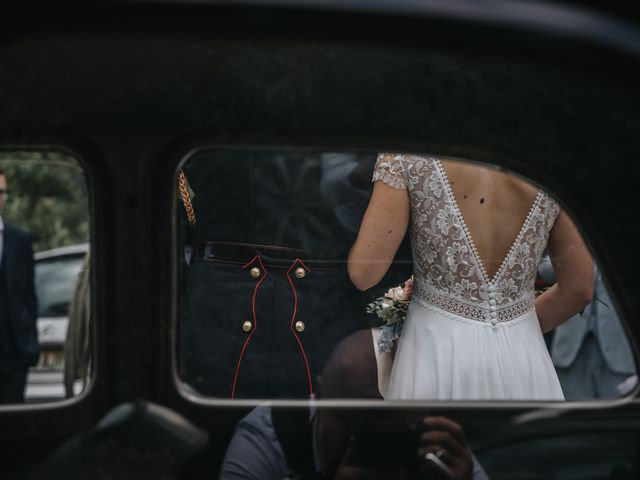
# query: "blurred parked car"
(56, 275)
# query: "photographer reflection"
(314, 442)
(439, 452)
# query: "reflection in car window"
(279, 262)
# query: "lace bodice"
(448, 272)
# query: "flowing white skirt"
(441, 356)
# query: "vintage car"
(136, 92)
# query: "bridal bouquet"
(391, 309)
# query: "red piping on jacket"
(255, 322)
(293, 319)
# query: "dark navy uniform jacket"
(266, 296)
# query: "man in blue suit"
(18, 307)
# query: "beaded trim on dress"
(427, 298)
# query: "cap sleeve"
(553, 210)
(390, 170)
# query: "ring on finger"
(435, 460)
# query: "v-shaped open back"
(448, 271)
(469, 237)
(466, 335)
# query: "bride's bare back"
(494, 206)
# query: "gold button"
(300, 273)
(255, 272)
(300, 326)
(247, 326)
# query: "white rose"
(396, 293)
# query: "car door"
(548, 92)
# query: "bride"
(474, 325)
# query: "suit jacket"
(20, 295)
(599, 317)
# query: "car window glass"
(45, 295)
(461, 282)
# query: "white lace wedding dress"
(467, 336)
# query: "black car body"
(132, 89)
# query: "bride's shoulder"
(414, 169)
(407, 159)
(421, 166)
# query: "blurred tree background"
(47, 197)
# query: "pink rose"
(399, 293)
(408, 288)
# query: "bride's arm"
(383, 227)
(573, 266)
